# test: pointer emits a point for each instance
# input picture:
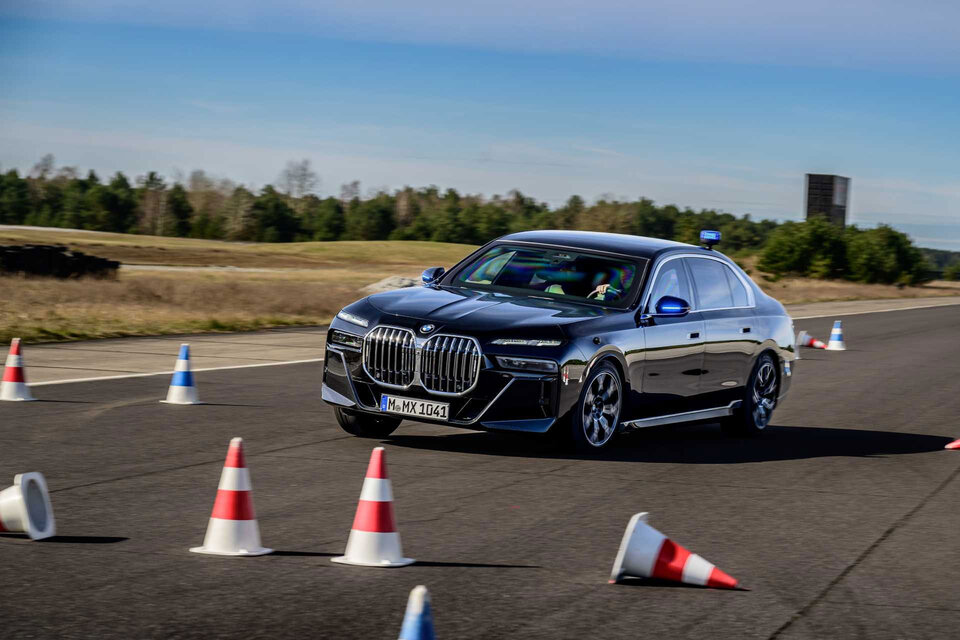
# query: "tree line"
(200, 206)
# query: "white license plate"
(414, 407)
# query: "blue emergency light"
(709, 238)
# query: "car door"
(670, 370)
(727, 308)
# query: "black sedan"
(577, 334)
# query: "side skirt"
(687, 416)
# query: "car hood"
(481, 311)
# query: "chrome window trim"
(418, 344)
(676, 256)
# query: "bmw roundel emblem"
(427, 328)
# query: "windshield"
(553, 273)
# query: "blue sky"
(704, 104)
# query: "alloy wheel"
(764, 394)
(600, 412)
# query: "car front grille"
(449, 364)
(389, 356)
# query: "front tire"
(759, 401)
(364, 425)
(597, 414)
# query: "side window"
(740, 297)
(671, 281)
(710, 280)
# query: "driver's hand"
(599, 291)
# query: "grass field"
(302, 283)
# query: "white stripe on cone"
(377, 490)
(235, 479)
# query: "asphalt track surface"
(843, 520)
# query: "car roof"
(639, 246)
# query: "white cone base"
(232, 538)
(402, 562)
(182, 395)
(836, 347)
(243, 552)
(15, 392)
(374, 549)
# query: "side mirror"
(432, 275)
(669, 306)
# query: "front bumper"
(501, 400)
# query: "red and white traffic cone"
(647, 553)
(374, 540)
(953, 445)
(14, 385)
(233, 528)
(804, 339)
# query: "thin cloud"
(857, 33)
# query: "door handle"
(744, 329)
(695, 334)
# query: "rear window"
(553, 273)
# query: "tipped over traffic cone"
(417, 621)
(25, 507)
(836, 338)
(953, 445)
(374, 540)
(804, 339)
(182, 389)
(14, 385)
(233, 528)
(647, 553)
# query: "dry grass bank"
(160, 250)
(797, 290)
(151, 303)
(316, 280)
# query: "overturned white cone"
(182, 388)
(374, 540)
(233, 528)
(647, 553)
(25, 507)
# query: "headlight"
(346, 339)
(524, 342)
(349, 317)
(527, 364)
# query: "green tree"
(275, 220)
(15, 202)
(180, 212)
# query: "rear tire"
(760, 399)
(364, 425)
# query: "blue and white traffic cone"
(836, 338)
(418, 621)
(182, 390)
